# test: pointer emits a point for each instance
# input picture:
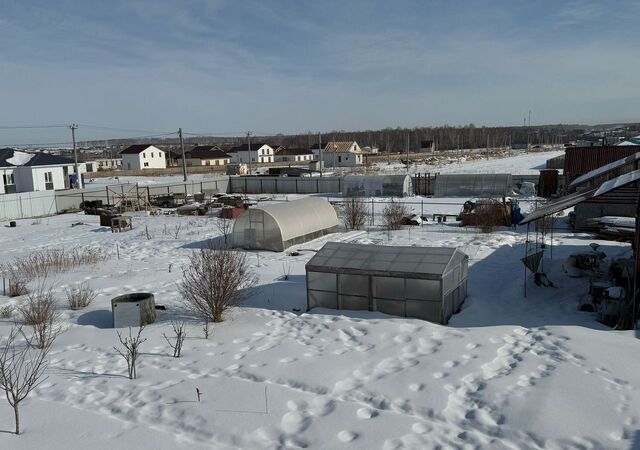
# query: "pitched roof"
(317, 146)
(244, 147)
(293, 151)
(10, 157)
(206, 152)
(135, 149)
(340, 147)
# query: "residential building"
(259, 153)
(340, 154)
(98, 165)
(142, 157)
(293, 155)
(29, 172)
(205, 155)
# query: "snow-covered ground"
(521, 163)
(507, 372)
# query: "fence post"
(296, 185)
(107, 192)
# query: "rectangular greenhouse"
(428, 283)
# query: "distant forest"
(398, 139)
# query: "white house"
(28, 172)
(205, 155)
(143, 156)
(259, 153)
(340, 154)
(293, 155)
(96, 165)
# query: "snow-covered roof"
(605, 169)
(10, 157)
(617, 182)
(409, 262)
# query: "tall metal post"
(73, 128)
(184, 160)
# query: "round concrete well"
(133, 310)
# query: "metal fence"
(27, 204)
(285, 185)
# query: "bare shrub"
(80, 296)
(6, 312)
(356, 211)
(17, 285)
(176, 231)
(179, 334)
(393, 215)
(39, 310)
(224, 226)
(286, 270)
(215, 281)
(131, 351)
(40, 263)
(22, 368)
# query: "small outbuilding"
(428, 283)
(279, 226)
(377, 186)
(133, 310)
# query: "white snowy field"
(507, 372)
(517, 163)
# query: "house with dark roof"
(340, 154)
(205, 155)
(259, 152)
(143, 156)
(28, 172)
(293, 155)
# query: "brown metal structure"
(580, 160)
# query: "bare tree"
(176, 231)
(179, 335)
(215, 281)
(39, 310)
(224, 226)
(131, 350)
(22, 368)
(355, 213)
(80, 296)
(393, 215)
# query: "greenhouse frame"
(278, 226)
(377, 186)
(428, 283)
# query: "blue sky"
(226, 66)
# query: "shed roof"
(401, 261)
(606, 169)
(579, 197)
(10, 157)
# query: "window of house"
(48, 181)
(339, 158)
(144, 155)
(146, 164)
(9, 183)
(152, 154)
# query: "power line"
(20, 127)
(125, 130)
(44, 144)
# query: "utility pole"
(184, 160)
(73, 128)
(249, 149)
(487, 146)
(407, 152)
(529, 118)
(320, 153)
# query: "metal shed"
(428, 283)
(377, 186)
(278, 226)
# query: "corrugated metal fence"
(580, 160)
(27, 204)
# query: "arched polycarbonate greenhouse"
(279, 226)
(377, 186)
